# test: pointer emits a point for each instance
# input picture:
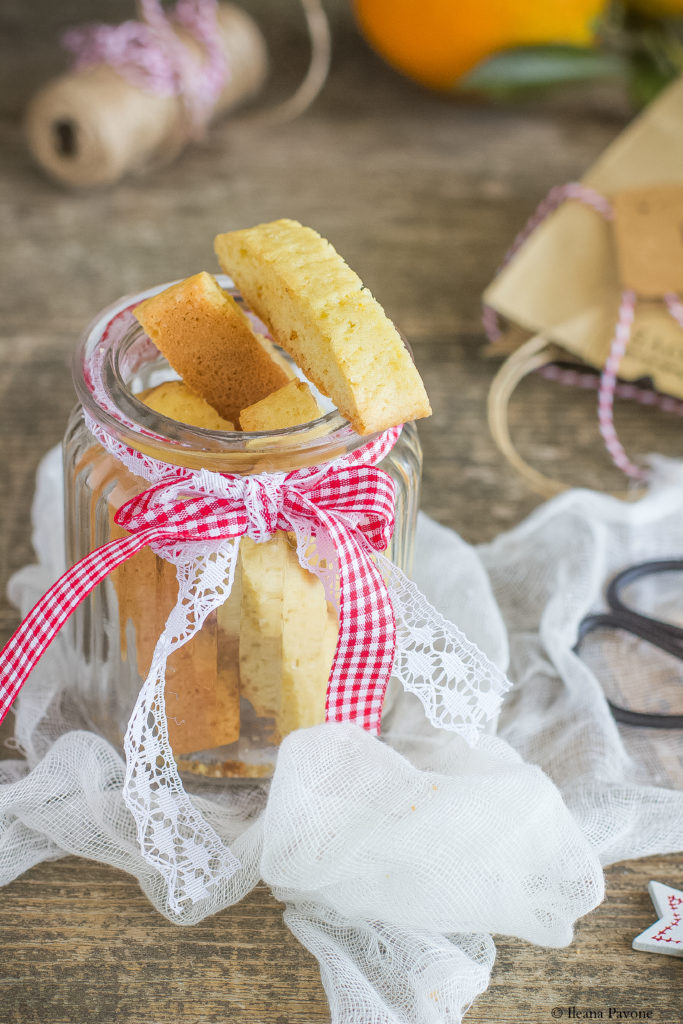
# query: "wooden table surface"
(422, 195)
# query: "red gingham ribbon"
(349, 502)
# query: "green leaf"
(647, 78)
(532, 68)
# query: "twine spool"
(92, 126)
(534, 354)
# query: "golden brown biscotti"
(202, 689)
(318, 310)
(210, 343)
(286, 407)
(202, 704)
(174, 399)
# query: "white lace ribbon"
(458, 686)
(173, 835)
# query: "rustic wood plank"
(86, 945)
(422, 195)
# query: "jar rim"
(105, 354)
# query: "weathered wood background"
(422, 195)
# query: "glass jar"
(259, 665)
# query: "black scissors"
(664, 635)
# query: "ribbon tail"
(459, 687)
(174, 836)
(366, 644)
(31, 639)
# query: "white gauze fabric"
(623, 784)
(397, 858)
(458, 685)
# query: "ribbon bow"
(349, 506)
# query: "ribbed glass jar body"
(259, 665)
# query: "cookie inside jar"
(218, 378)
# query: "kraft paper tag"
(564, 282)
(648, 231)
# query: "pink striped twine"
(675, 307)
(152, 57)
(609, 385)
(608, 380)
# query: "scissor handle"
(645, 719)
(608, 620)
(636, 625)
(654, 627)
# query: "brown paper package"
(564, 283)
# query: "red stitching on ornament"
(674, 902)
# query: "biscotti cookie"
(288, 635)
(318, 311)
(286, 407)
(260, 632)
(211, 344)
(202, 704)
(174, 399)
(309, 639)
(201, 691)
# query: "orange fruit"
(436, 42)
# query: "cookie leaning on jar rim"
(279, 633)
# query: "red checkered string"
(350, 502)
